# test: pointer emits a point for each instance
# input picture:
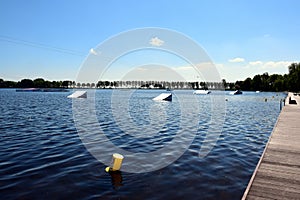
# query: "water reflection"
(116, 179)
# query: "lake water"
(42, 155)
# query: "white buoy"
(78, 94)
(117, 160)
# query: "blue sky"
(51, 39)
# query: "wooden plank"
(277, 175)
(284, 147)
(282, 157)
(277, 184)
(253, 197)
(273, 193)
(283, 168)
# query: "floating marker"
(117, 160)
(107, 169)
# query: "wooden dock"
(277, 175)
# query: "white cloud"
(219, 65)
(142, 69)
(207, 71)
(236, 60)
(250, 69)
(270, 64)
(92, 51)
(155, 41)
(151, 68)
(205, 65)
(276, 65)
(184, 68)
(198, 67)
(255, 63)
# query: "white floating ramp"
(201, 92)
(236, 92)
(163, 97)
(78, 94)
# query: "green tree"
(256, 83)
(231, 86)
(7, 84)
(225, 85)
(247, 85)
(100, 84)
(264, 81)
(25, 83)
(293, 79)
(39, 83)
(238, 84)
(106, 83)
(66, 84)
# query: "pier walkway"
(277, 175)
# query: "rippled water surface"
(42, 155)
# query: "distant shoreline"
(153, 89)
(265, 82)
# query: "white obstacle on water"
(236, 92)
(78, 94)
(163, 97)
(201, 92)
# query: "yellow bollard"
(117, 160)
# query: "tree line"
(274, 82)
(36, 83)
(263, 82)
(41, 83)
